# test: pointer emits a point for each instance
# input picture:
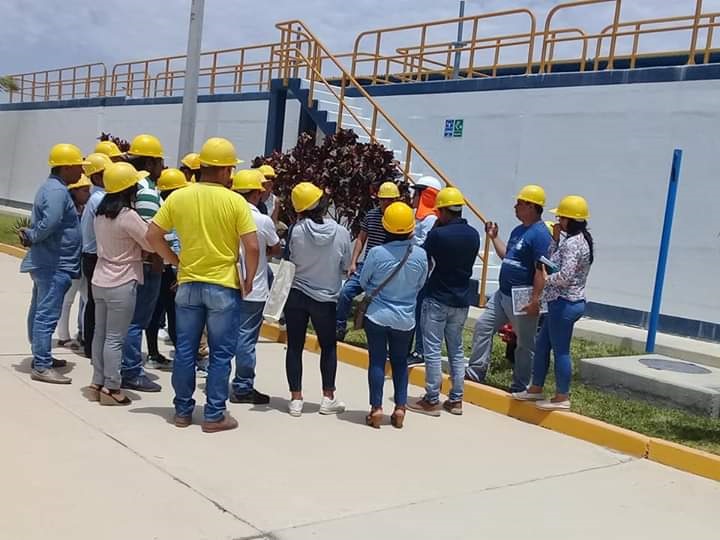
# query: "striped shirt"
(148, 199)
(372, 226)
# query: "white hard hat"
(428, 182)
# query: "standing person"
(426, 190)
(190, 166)
(565, 294)
(268, 204)
(111, 150)
(210, 221)
(120, 236)
(146, 153)
(53, 259)
(393, 274)
(170, 180)
(452, 246)
(249, 184)
(320, 250)
(80, 193)
(371, 234)
(94, 171)
(527, 244)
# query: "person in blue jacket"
(53, 259)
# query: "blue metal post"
(664, 250)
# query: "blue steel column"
(664, 250)
(276, 117)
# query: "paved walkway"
(74, 470)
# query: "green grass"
(640, 416)
(7, 235)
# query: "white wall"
(26, 136)
(611, 144)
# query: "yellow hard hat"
(147, 146)
(399, 218)
(171, 179)
(218, 152)
(305, 196)
(109, 148)
(98, 162)
(83, 182)
(533, 194)
(120, 176)
(66, 154)
(191, 161)
(268, 171)
(573, 207)
(248, 180)
(388, 190)
(449, 196)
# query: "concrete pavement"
(72, 469)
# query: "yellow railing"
(83, 81)
(294, 54)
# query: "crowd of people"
(187, 250)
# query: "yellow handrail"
(292, 56)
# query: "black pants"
(165, 305)
(300, 309)
(89, 260)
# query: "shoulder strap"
(286, 251)
(392, 274)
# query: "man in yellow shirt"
(210, 222)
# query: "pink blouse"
(120, 243)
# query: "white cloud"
(35, 37)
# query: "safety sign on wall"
(454, 127)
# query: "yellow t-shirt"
(209, 220)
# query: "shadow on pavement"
(166, 413)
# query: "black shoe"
(340, 334)
(157, 361)
(415, 359)
(141, 384)
(58, 363)
(253, 397)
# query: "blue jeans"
(556, 333)
(147, 296)
(498, 312)
(197, 305)
(418, 322)
(441, 322)
(350, 290)
(250, 320)
(49, 288)
(381, 340)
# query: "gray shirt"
(321, 254)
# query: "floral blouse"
(572, 256)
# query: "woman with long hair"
(120, 234)
(571, 255)
(391, 276)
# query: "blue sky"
(83, 31)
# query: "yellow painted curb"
(684, 458)
(12, 250)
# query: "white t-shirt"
(267, 237)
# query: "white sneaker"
(331, 406)
(547, 405)
(527, 396)
(163, 335)
(295, 407)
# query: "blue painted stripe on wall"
(125, 101)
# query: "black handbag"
(359, 321)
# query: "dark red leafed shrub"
(347, 170)
(123, 145)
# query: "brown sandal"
(113, 397)
(398, 417)
(375, 417)
(93, 392)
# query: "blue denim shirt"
(54, 232)
(394, 306)
(87, 221)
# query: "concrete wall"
(611, 144)
(27, 135)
